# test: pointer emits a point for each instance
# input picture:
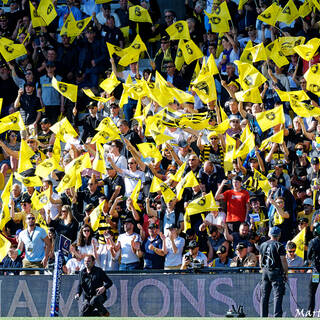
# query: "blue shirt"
(218, 264)
(50, 96)
(151, 259)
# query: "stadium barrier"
(154, 294)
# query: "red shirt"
(308, 64)
(236, 205)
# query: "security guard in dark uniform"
(313, 257)
(274, 272)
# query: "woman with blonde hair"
(64, 223)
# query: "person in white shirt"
(131, 177)
(214, 217)
(173, 248)
(130, 245)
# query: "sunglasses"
(170, 66)
(131, 163)
(291, 251)
(31, 218)
(86, 230)
(214, 138)
(30, 142)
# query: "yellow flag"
(190, 51)
(139, 14)
(307, 51)
(47, 11)
(270, 118)
(271, 14)
(246, 146)
(12, 122)
(316, 4)
(275, 53)
(241, 4)
(202, 204)
(64, 130)
(179, 30)
(56, 152)
(288, 43)
(188, 181)
(75, 28)
(250, 95)
(80, 163)
(262, 181)
(5, 245)
(68, 181)
(277, 138)
(249, 76)
(114, 49)
(289, 13)
(258, 53)
(163, 88)
(132, 53)
(11, 51)
(297, 95)
(44, 168)
(306, 8)
(1, 102)
(68, 90)
(179, 60)
(300, 241)
(109, 84)
(135, 195)
(95, 216)
(229, 154)
(246, 55)
(149, 150)
(69, 20)
(24, 157)
(107, 122)
(158, 185)
(105, 135)
(99, 163)
(211, 66)
(37, 21)
(34, 181)
(205, 88)
(178, 175)
(90, 94)
(5, 197)
(303, 109)
(219, 18)
(222, 127)
(312, 77)
(40, 200)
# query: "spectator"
(86, 243)
(292, 259)
(12, 260)
(243, 257)
(130, 246)
(108, 257)
(223, 261)
(173, 248)
(237, 203)
(194, 258)
(36, 244)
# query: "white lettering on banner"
(219, 296)
(124, 298)
(179, 288)
(27, 304)
(165, 294)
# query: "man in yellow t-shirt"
(307, 211)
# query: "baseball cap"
(302, 189)
(30, 84)
(172, 226)
(241, 245)
(237, 178)
(45, 120)
(153, 226)
(89, 207)
(25, 198)
(222, 249)
(279, 163)
(308, 202)
(193, 244)
(253, 159)
(92, 104)
(50, 64)
(271, 176)
(314, 160)
(183, 143)
(305, 220)
(234, 117)
(275, 231)
(128, 220)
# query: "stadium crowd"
(192, 174)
